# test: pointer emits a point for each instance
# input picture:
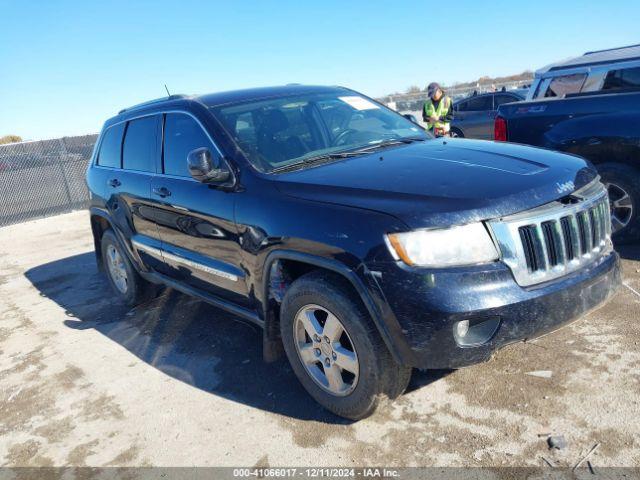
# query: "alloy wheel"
(620, 206)
(117, 270)
(326, 350)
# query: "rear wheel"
(126, 283)
(334, 348)
(623, 186)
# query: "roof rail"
(611, 49)
(152, 102)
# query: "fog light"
(475, 331)
(462, 328)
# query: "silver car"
(473, 117)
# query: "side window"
(503, 98)
(111, 147)
(479, 104)
(461, 107)
(565, 85)
(622, 79)
(140, 144)
(181, 135)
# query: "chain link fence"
(43, 178)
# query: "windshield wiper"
(315, 160)
(390, 143)
(346, 154)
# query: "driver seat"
(272, 143)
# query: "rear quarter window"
(111, 147)
(504, 98)
(625, 78)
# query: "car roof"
(221, 98)
(235, 96)
(611, 55)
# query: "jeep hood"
(443, 182)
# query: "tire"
(378, 376)
(456, 133)
(137, 289)
(623, 186)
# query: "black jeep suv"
(360, 244)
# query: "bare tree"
(10, 139)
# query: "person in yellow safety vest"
(437, 111)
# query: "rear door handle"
(162, 192)
(114, 182)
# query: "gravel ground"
(175, 382)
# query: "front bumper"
(425, 305)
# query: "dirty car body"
(242, 242)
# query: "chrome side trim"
(198, 266)
(156, 252)
(184, 261)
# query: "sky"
(67, 66)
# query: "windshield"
(287, 131)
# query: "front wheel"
(334, 348)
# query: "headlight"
(446, 247)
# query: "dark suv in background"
(360, 244)
(589, 106)
(474, 116)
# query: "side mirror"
(411, 118)
(204, 167)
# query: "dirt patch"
(102, 408)
(69, 377)
(313, 434)
(56, 430)
(612, 442)
(78, 456)
(263, 462)
(27, 454)
(4, 333)
(30, 362)
(126, 457)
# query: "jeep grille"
(556, 239)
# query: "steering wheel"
(342, 136)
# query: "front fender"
(364, 284)
(599, 137)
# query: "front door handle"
(162, 192)
(114, 182)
